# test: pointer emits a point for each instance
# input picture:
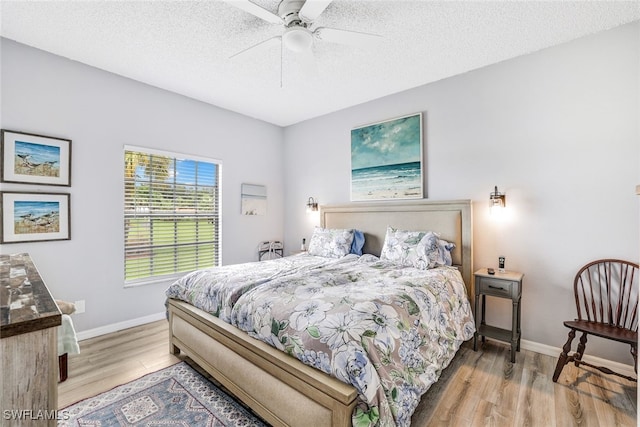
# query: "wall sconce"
(312, 205)
(497, 201)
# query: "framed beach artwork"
(35, 217)
(35, 159)
(254, 199)
(386, 160)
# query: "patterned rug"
(177, 396)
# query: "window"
(171, 214)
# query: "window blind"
(171, 214)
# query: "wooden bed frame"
(278, 387)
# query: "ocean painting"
(37, 159)
(386, 160)
(36, 217)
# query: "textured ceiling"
(184, 46)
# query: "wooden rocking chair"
(606, 293)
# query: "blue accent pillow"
(358, 242)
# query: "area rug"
(177, 395)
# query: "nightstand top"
(507, 275)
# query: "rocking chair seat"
(604, 331)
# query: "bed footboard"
(278, 387)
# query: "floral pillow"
(433, 251)
(445, 249)
(330, 242)
(417, 249)
(401, 247)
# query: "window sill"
(153, 280)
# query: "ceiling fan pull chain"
(281, 62)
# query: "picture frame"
(34, 217)
(253, 199)
(387, 160)
(28, 158)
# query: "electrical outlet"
(79, 306)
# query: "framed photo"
(35, 159)
(35, 217)
(254, 199)
(386, 160)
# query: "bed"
(279, 387)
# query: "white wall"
(101, 112)
(556, 130)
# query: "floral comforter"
(389, 331)
(217, 289)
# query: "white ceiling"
(184, 46)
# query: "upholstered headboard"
(451, 219)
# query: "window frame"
(217, 212)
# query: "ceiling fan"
(297, 17)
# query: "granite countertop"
(26, 305)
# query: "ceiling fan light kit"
(297, 39)
(297, 17)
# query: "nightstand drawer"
(498, 288)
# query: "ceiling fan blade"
(263, 43)
(353, 38)
(256, 10)
(311, 9)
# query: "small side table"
(501, 285)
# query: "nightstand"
(501, 285)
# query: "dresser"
(501, 285)
(29, 318)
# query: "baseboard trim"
(555, 352)
(524, 344)
(115, 327)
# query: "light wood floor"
(478, 389)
